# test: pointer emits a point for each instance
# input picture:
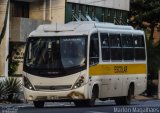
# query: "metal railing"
(81, 17)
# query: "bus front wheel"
(89, 102)
(86, 103)
(95, 91)
(38, 104)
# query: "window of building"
(121, 14)
(87, 9)
(105, 47)
(109, 12)
(115, 13)
(115, 46)
(73, 8)
(80, 7)
(127, 44)
(93, 11)
(103, 15)
(139, 50)
(20, 9)
(73, 11)
(94, 49)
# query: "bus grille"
(58, 87)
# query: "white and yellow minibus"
(83, 61)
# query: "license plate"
(54, 97)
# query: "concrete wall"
(36, 10)
(5, 39)
(22, 27)
(53, 10)
(58, 11)
(115, 4)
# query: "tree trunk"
(152, 31)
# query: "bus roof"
(77, 28)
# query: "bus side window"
(115, 47)
(94, 49)
(127, 44)
(105, 47)
(139, 48)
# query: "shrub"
(11, 87)
(2, 90)
(12, 68)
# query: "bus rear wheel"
(126, 100)
(38, 104)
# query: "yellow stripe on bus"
(117, 69)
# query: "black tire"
(89, 102)
(38, 104)
(126, 100)
(79, 103)
(85, 103)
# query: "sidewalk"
(141, 97)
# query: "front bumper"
(66, 95)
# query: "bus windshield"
(56, 54)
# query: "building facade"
(114, 11)
(4, 36)
(27, 15)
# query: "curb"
(145, 98)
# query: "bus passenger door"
(94, 50)
(94, 59)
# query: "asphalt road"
(145, 106)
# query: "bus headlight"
(80, 82)
(27, 83)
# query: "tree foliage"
(9, 88)
(142, 12)
(12, 64)
(145, 11)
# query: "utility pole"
(159, 84)
(158, 29)
(50, 9)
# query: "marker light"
(80, 82)
(27, 83)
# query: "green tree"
(12, 64)
(148, 11)
(145, 11)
